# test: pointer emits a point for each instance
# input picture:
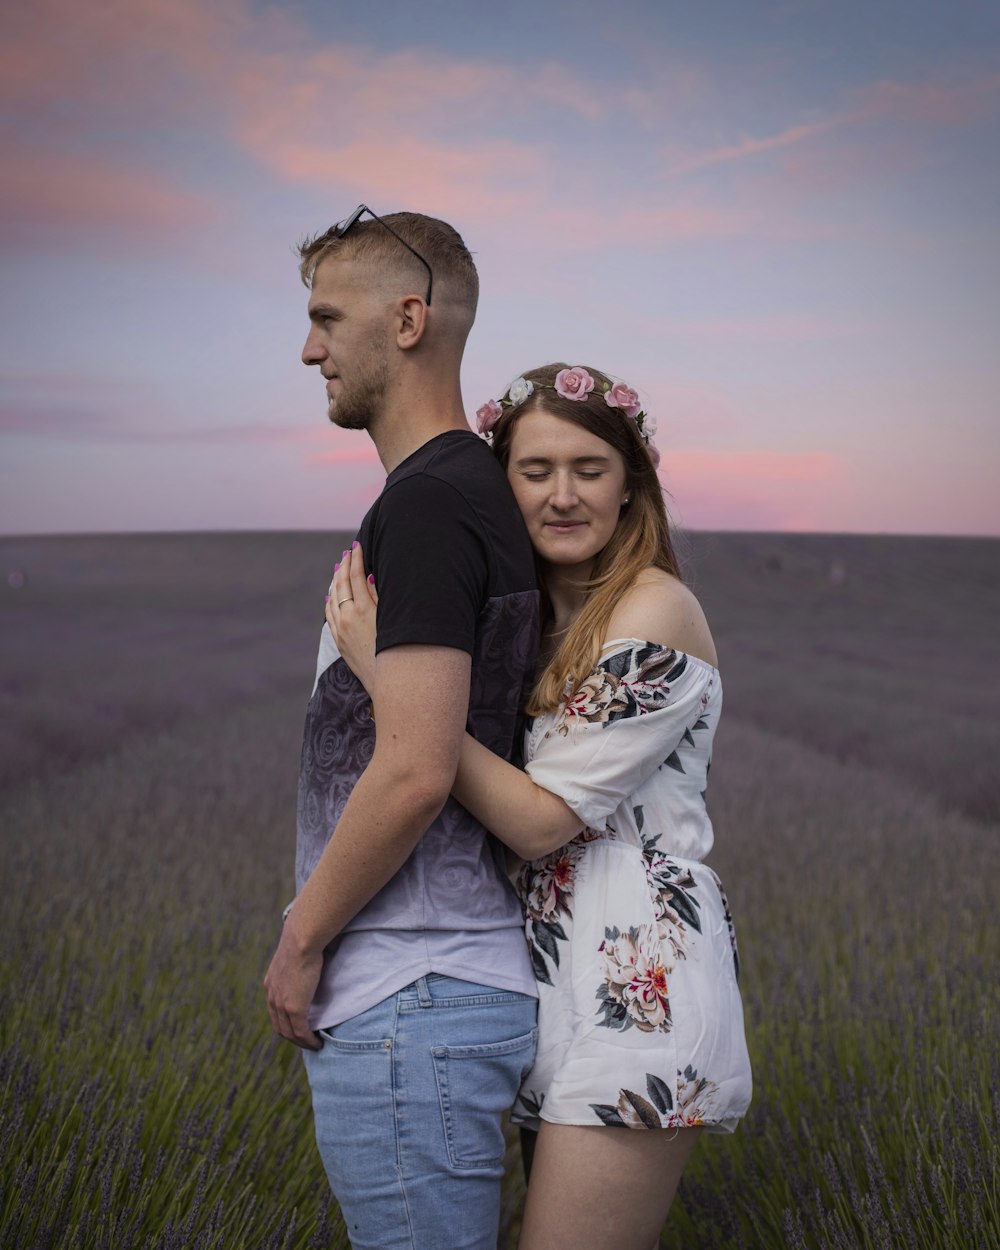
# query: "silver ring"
(349, 599)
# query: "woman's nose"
(563, 491)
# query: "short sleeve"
(431, 566)
(625, 722)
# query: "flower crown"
(575, 383)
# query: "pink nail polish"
(354, 544)
(336, 567)
(328, 598)
(371, 579)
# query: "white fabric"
(640, 1018)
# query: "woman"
(640, 1021)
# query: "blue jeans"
(408, 1099)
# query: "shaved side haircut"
(372, 244)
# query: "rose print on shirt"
(622, 686)
(546, 885)
(546, 888)
(693, 1105)
(695, 1097)
(672, 890)
(634, 993)
(596, 701)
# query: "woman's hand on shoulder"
(350, 613)
(659, 608)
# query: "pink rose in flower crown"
(488, 416)
(575, 383)
(623, 397)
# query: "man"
(402, 968)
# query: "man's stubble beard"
(355, 407)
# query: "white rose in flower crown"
(519, 390)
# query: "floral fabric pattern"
(659, 1109)
(630, 934)
(615, 691)
(546, 890)
(672, 889)
(635, 981)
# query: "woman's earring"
(625, 501)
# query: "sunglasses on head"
(342, 227)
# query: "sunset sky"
(778, 220)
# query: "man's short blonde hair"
(438, 243)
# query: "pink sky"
(779, 222)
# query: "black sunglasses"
(341, 228)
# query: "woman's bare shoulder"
(659, 608)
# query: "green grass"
(143, 1101)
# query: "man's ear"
(411, 321)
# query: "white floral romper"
(640, 1021)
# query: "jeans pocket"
(353, 1046)
(476, 1085)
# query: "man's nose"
(312, 352)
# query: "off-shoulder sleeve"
(627, 720)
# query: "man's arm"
(420, 701)
(531, 821)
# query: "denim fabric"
(408, 1099)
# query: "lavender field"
(152, 696)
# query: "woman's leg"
(603, 1188)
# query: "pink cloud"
(692, 218)
(419, 171)
(804, 165)
(956, 101)
(104, 410)
(119, 53)
(748, 147)
(350, 92)
(873, 134)
(364, 453)
(394, 127)
(261, 79)
(752, 489)
(46, 193)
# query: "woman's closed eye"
(539, 475)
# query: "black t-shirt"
(443, 539)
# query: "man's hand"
(290, 985)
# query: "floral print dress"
(640, 1022)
